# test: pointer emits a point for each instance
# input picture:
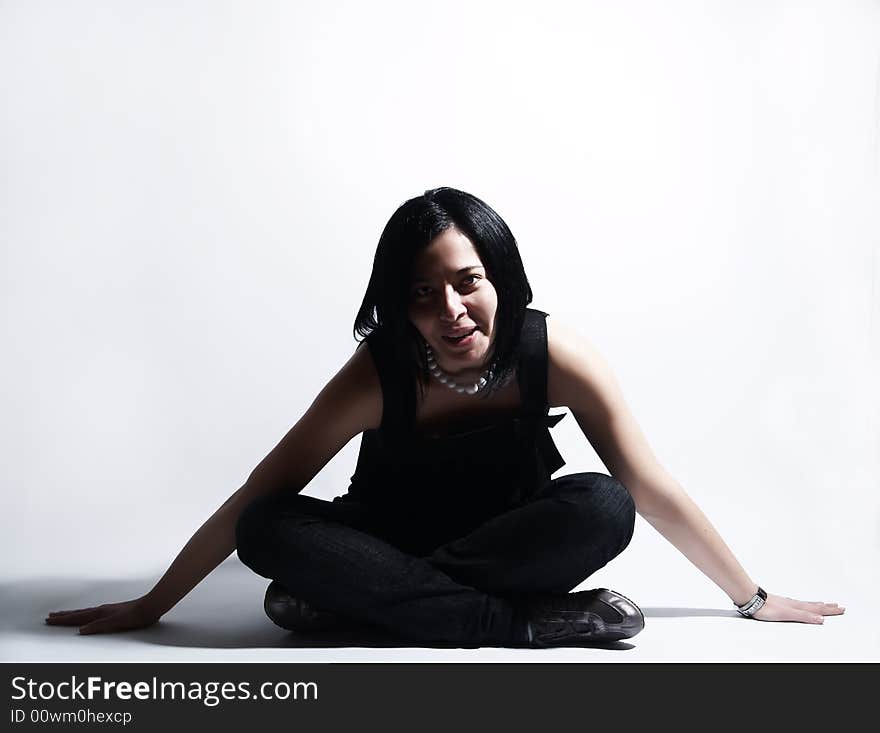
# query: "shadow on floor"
(223, 612)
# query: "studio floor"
(222, 620)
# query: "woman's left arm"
(580, 379)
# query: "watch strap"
(754, 604)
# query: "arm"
(580, 379)
(349, 404)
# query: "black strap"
(532, 371)
(395, 405)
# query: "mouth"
(463, 338)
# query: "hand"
(780, 608)
(107, 618)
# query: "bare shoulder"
(355, 391)
(577, 374)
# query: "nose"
(451, 307)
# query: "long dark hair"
(410, 229)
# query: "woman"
(452, 530)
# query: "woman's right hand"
(107, 618)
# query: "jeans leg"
(327, 554)
(575, 525)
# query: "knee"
(610, 510)
(618, 510)
(252, 531)
(271, 526)
(260, 528)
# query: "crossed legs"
(338, 556)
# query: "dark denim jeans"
(343, 557)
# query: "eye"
(472, 278)
(421, 291)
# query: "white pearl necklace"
(443, 377)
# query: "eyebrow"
(460, 272)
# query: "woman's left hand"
(780, 608)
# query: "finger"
(75, 610)
(808, 603)
(819, 607)
(74, 618)
(74, 614)
(804, 617)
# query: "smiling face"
(450, 297)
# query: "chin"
(472, 359)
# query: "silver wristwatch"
(753, 605)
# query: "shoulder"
(577, 374)
(356, 391)
(561, 337)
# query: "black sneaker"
(584, 618)
(295, 614)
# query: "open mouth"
(461, 339)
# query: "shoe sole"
(585, 627)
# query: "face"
(450, 296)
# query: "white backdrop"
(192, 195)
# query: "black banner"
(150, 696)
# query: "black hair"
(385, 306)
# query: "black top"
(473, 469)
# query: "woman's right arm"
(350, 403)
